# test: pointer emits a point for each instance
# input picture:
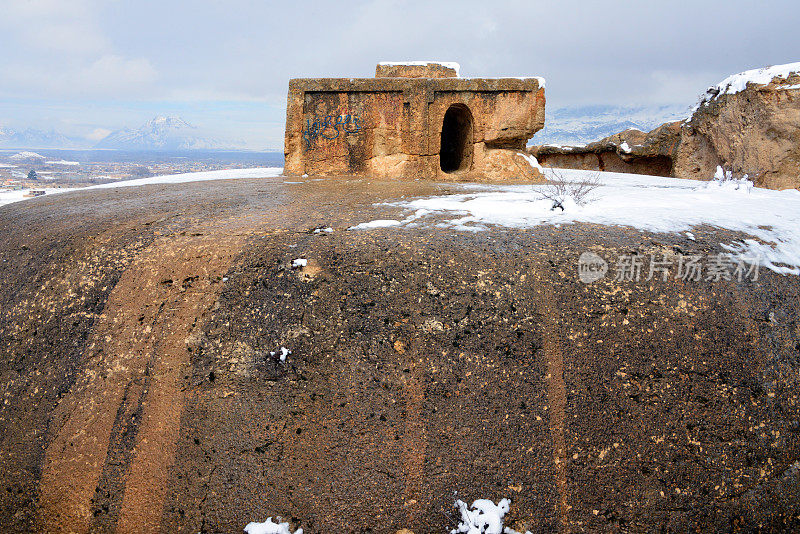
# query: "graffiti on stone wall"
(331, 127)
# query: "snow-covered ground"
(226, 174)
(649, 203)
(7, 196)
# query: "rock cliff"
(748, 124)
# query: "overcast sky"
(86, 66)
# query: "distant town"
(47, 169)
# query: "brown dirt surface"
(142, 388)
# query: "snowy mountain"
(31, 138)
(27, 157)
(579, 125)
(162, 133)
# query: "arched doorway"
(456, 146)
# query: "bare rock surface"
(145, 388)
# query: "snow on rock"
(299, 262)
(268, 527)
(532, 161)
(651, 203)
(384, 223)
(379, 223)
(484, 517)
(625, 147)
(738, 82)
(284, 353)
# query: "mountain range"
(31, 138)
(159, 133)
(163, 133)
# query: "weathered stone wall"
(392, 127)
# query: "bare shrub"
(558, 189)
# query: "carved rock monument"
(414, 120)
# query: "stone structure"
(415, 120)
(748, 124)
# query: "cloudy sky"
(84, 67)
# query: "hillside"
(169, 365)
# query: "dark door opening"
(456, 147)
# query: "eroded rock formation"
(631, 151)
(754, 132)
(414, 121)
(747, 124)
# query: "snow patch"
(651, 203)
(532, 161)
(226, 174)
(625, 147)
(299, 262)
(483, 517)
(9, 197)
(284, 353)
(379, 223)
(268, 527)
(63, 162)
